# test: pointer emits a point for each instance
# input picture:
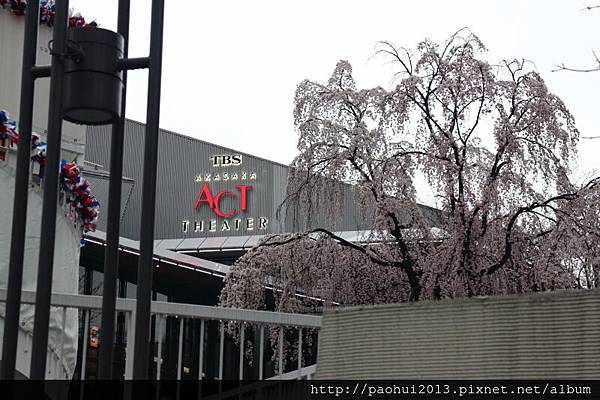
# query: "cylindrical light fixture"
(93, 84)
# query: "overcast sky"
(231, 67)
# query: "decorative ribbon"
(8, 130)
(78, 197)
(80, 204)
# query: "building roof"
(162, 254)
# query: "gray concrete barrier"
(545, 335)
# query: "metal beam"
(242, 339)
(201, 355)
(113, 219)
(86, 330)
(261, 356)
(130, 327)
(180, 348)
(280, 352)
(300, 353)
(126, 64)
(48, 230)
(146, 263)
(180, 309)
(159, 323)
(221, 348)
(42, 71)
(236, 314)
(19, 221)
(307, 372)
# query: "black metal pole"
(41, 71)
(134, 63)
(46, 258)
(111, 253)
(145, 265)
(19, 222)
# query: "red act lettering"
(205, 196)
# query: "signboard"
(224, 199)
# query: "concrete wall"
(61, 349)
(548, 335)
(11, 57)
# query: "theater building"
(213, 204)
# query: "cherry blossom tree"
(596, 66)
(495, 146)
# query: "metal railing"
(185, 312)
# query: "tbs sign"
(226, 160)
(228, 207)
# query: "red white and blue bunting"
(47, 11)
(80, 205)
(8, 130)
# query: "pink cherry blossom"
(496, 147)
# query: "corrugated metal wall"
(99, 184)
(181, 159)
(548, 335)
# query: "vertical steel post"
(201, 355)
(318, 342)
(261, 353)
(46, 256)
(19, 221)
(113, 219)
(299, 353)
(130, 328)
(242, 338)
(145, 264)
(280, 363)
(180, 348)
(62, 335)
(221, 348)
(86, 329)
(159, 320)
